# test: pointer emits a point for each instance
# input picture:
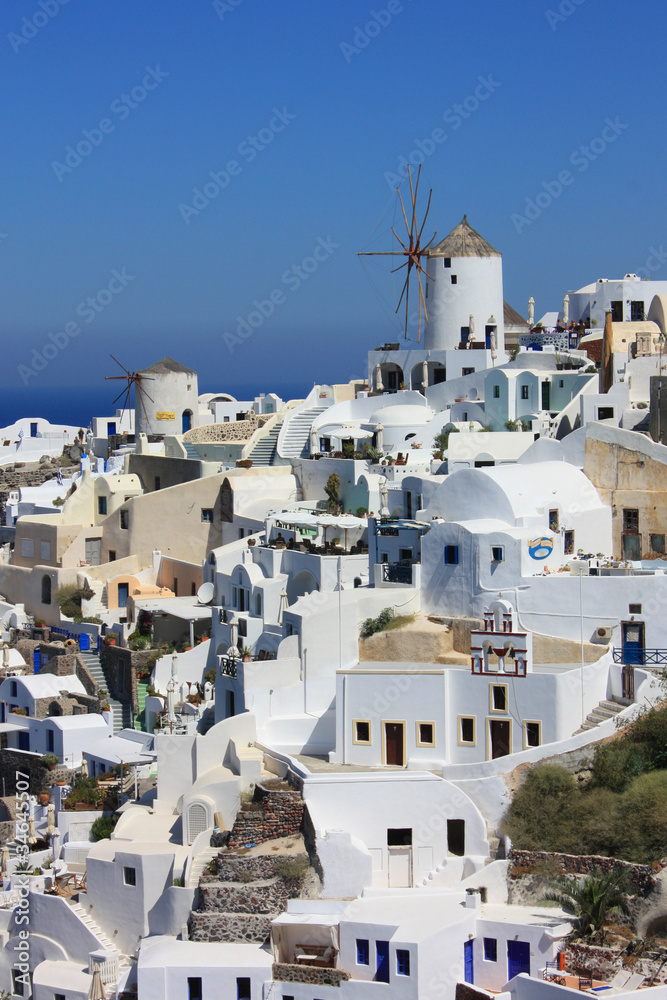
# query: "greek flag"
(60, 476)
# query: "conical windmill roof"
(165, 366)
(463, 241)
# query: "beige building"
(630, 473)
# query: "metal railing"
(396, 573)
(641, 657)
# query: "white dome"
(401, 415)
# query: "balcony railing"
(641, 657)
(396, 573)
(228, 666)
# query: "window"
(101, 505)
(18, 984)
(553, 520)
(468, 371)
(399, 837)
(13, 689)
(58, 996)
(630, 519)
(402, 962)
(561, 383)
(243, 988)
(404, 554)
(157, 482)
(363, 952)
(451, 555)
(45, 551)
(499, 697)
(497, 553)
(46, 590)
(455, 280)
(362, 731)
(616, 311)
(447, 262)
(175, 587)
(532, 735)
(496, 392)
(467, 729)
(525, 392)
(207, 514)
(194, 988)
(130, 876)
(490, 950)
(456, 837)
(27, 548)
(50, 742)
(125, 519)
(568, 543)
(634, 609)
(425, 734)
(465, 334)
(637, 312)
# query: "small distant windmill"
(412, 250)
(133, 379)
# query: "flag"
(60, 476)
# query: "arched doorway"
(392, 377)
(303, 583)
(187, 420)
(46, 589)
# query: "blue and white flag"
(60, 476)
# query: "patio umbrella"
(32, 839)
(5, 655)
(234, 632)
(4, 859)
(566, 309)
(384, 497)
(379, 440)
(96, 991)
(174, 666)
(171, 701)
(425, 374)
(51, 819)
(283, 605)
(84, 768)
(471, 327)
(531, 311)
(378, 379)
(314, 441)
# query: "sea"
(76, 405)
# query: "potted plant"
(110, 639)
(246, 653)
(51, 761)
(44, 798)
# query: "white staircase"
(604, 711)
(265, 450)
(199, 863)
(105, 942)
(191, 452)
(294, 439)
(122, 716)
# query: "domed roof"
(463, 241)
(401, 415)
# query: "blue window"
(402, 962)
(451, 555)
(363, 952)
(490, 950)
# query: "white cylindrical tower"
(466, 277)
(173, 407)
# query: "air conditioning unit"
(604, 632)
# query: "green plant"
(600, 895)
(210, 675)
(50, 759)
(150, 690)
(441, 440)
(512, 425)
(292, 867)
(58, 502)
(103, 827)
(69, 598)
(178, 882)
(23, 868)
(332, 490)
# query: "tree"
(332, 490)
(592, 901)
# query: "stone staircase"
(199, 864)
(295, 439)
(105, 942)
(604, 711)
(122, 715)
(265, 450)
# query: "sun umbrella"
(51, 819)
(378, 379)
(32, 839)
(174, 665)
(471, 328)
(314, 441)
(4, 859)
(384, 497)
(84, 768)
(425, 374)
(171, 701)
(379, 440)
(531, 310)
(283, 605)
(234, 631)
(5, 655)
(96, 991)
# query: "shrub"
(332, 490)
(441, 440)
(294, 866)
(361, 511)
(103, 827)
(178, 882)
(69, 597)
(379, 624)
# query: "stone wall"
(464, 991)
(591, 960)
(310, 974)
(15, 766)
(273, 813)
(234, 430)
(642, 877)
(120, 667)
(242, 868)
(267, 897)
(65, 660)
(11, 477)
(230, 927)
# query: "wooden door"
(500, 738)
(394, 740)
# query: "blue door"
(382, 962)
(518, 958)
(123, 591)
(111, 428)
(33, 430)
(468, 964)
(633, 642)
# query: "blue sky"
(302, 110)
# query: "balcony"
(397, 573)
(641, 657)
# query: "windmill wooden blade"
(400, 198)
(428, 205)
(413, 195)
(119, 364)
(124, 392)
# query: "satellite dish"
(205, 593)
